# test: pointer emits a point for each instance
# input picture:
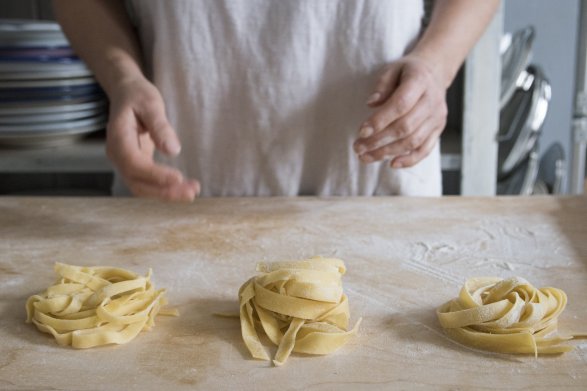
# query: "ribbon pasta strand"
(300, 305)
(93, 306)
(506, 316)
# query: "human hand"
(410, 115)
(137, 125)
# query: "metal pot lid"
(552, 170)
(515, 57)
(521, 120)
(522, 180)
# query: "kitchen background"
(81, 168)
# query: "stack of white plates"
(47, 95)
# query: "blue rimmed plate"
(31, 108)
(31, 119)
(18, 129)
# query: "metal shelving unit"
(579, 130)
(472, 149)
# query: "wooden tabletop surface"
(404, 257)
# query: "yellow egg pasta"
(506, 316)
(300, 306)
(93, 306)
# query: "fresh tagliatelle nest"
(506, 316)
(93, 306)
(300, 305)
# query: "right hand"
(137, 125)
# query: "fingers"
(138, 124)
(409, 139)
(400, 129)
(131, 150)
(132, 153)
(401, 102)
(401, 146)
(154, 120)
(136, 167)
(385, 86)
(419, 153)
(146, 178)
(182, 192)
(409, 117)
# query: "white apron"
(267, 95)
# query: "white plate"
(28, 108)
(41, 59)
(50, 41)
(43, 139)
(31, 33)
(37, 52)
(24, 66)
(47, 83)
(48, 95)
(44, 74)
(52, 126)
(21, 25)
(49, 117)
(26, 36)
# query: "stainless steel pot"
(521, 120)
(516, 53)
(523, 179)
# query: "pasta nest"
(300, 306)
(506, 316)
(93, 306)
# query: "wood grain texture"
(405, 256)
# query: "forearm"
(102, 35)
(454, 28)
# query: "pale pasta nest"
(93, 306)
(506, 316)
(299, 305)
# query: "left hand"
(410, 115)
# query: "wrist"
(119, 70)
(443, 66)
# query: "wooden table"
(405, 256)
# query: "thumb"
(386, 84)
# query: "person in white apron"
(268, 97)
